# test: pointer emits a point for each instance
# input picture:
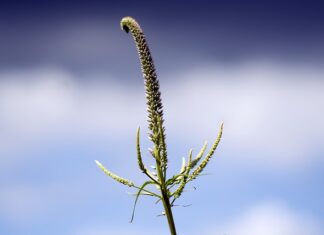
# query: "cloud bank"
(270, 218)
(272, 114)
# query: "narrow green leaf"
(137, 196)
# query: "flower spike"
(190, 170)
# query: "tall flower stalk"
(169, 189)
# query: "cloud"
(37, 105)
(271, 218)
(272, 113)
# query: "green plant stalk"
(166, 200)
(189, 171)
(168, 212)
(155, 111)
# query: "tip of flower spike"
(98, 163)
(124, 23)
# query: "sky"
(71, 92)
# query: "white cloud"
(270, 219)
(273, 115)
(36, 105)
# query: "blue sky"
(71, 92)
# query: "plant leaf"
(137, 196)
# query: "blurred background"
(71, 92)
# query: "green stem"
(168, 212)
(166, 200)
